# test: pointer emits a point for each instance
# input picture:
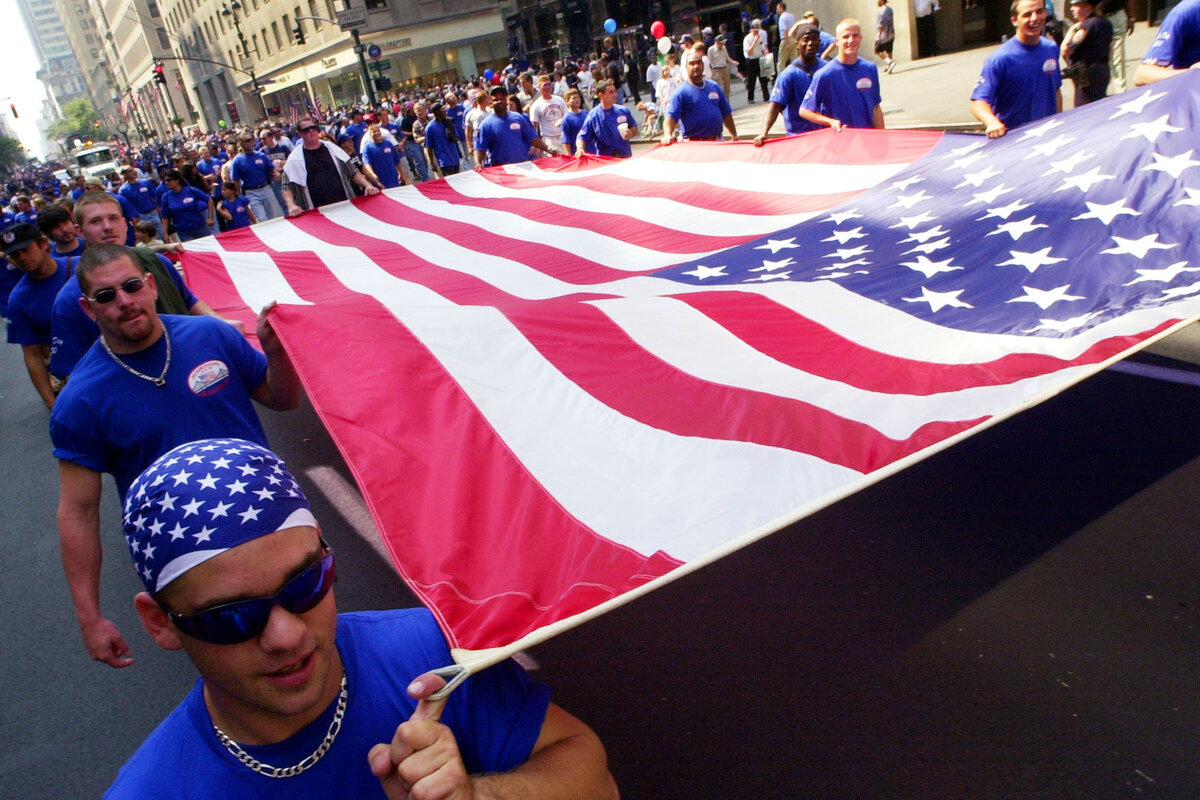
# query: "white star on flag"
(168, 502)
(1106, 212)
(247, 470)
(848, 252)
(775, 245)
(771, 266)
(1181, 291)
(177, 532)
(250, 513)
(978, 179)
(1043, 298)
(192, 508)
(1041, 130)
(1052, 146)
(1064, 325)
(1018, 228)
(1137, 247)
(769, 276)
(156, 528)
(929, 268)
(221, 463)
(207, 482)
(700, 273)
(912, 222)
(1069, 163)
(900, 186)
(1085, 181)
(924, 236)
(236, 487)
(1138, 104)
(967, 148)
(989, 196)
(930, 247)
(910, 200)
(1030, 261)
(1164, 275)
(838, 217)
(220, 510)
(841, 237)
(1173, 165)
(194, 459)
(181, 478)
(1004, 212)
(939, 300)
(1151, 130)
(966, 161)
(1192, 199)
(204, 534)
(264, 494)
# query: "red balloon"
(657, 29)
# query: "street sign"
(354, 17)
(374, 52)
(383, 65)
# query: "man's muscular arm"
(79, 538)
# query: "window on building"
(329, 12)
(275, 31)
(312, 12)
(91, 39)
(254, 41)
(163, 41)
(376, 4)
(221, 23)
(153, 8)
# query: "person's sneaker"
(891, 65)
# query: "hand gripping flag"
(562, 384)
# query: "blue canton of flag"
(1056, 227)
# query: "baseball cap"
(17, 237)
(203, 498)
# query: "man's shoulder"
(165, 759)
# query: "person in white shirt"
(755, 47)
(787, 20)
(586, 83)
(547, 112)
(481, 106)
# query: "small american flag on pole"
(560, 384)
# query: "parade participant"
(32, 300)
(148, 384)
(295, 700)
(382, 159)
(189, 210)
(1021, 81)
(885, 35)
(319, 173)
(608, 126)
(699, 107)
(1085, 48)
(506, 136)
(792, 85)
(140, 194)
(56, 223)
(235, 209)
(1176, 48)
(547, 112)
(845, 92)
(442, 141)
(573, 120)
(253, 172)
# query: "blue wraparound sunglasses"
(242, 620)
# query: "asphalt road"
(1015, 617)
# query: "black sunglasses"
(242, 620)
(307, 128)
(108, 294)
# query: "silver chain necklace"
(161, 380)
(289, 772)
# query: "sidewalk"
(930, 93)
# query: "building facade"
(58, 69)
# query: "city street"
(1015, 617)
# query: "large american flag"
(562, 384)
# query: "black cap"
(16, 238)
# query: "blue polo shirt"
(790, 88)
(846, 92)
(699, 110)
(1020, 81)
(384, 159)
(140, 195)
(30, 304)
(506, 139)
(1178, 42)
(254, 170)
(600, 129)
(187, 208)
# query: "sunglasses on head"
(108, 294)
(242, 620)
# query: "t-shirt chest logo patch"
(208, 378)
(516, 126)
(188, 200)
(713, 96)
(1050, 65)
(863, 84)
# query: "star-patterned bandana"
(201, 499)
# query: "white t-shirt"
(547, 115)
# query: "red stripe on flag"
(818, 350)
(826, 146)
(477, 544)
(596, 354)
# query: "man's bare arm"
(281, 389)
(39, 374)
(982, 110)
(79, 539)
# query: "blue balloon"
(488, 74)
(610, 25)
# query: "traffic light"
(13, 108)
(298, 32)
(159, 74)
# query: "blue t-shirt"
(10, 276)
(238, 207)
(205, 166)
(600, 128)
(384, 159)
(109, 420)
(571, 125)
(30, 305)
(80, 244)
(790, 88)
(187, 208)
(254, 170)
(457, 116)
(355, 130)
(1178, 42)
(506, 139)
(496, 717)
(1020, 81)
(140, 195)
(444, 150)
(699, 110)
(846, 92)
(72, 331)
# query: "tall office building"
(58, 69)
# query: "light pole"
(230, 11)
